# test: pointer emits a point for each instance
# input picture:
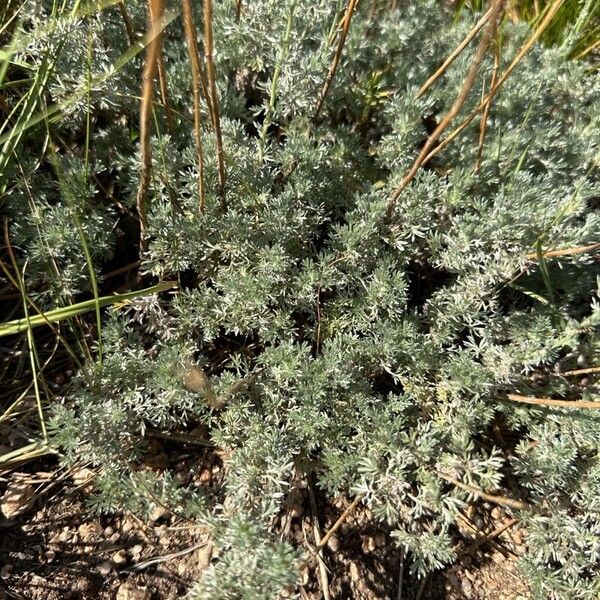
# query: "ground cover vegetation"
(353, 275)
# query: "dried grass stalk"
(212, 92)
(336, 58)
(154, 15)
(192, 46)
(480, 52)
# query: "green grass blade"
(65, 312)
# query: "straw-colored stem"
(522, 52)
(455, 53)
(192, 46)
(500, 500)
(581, 371)
(336, 58)
(212, 92)
(152, 50)
(164, 90)
(238, 10)
(480, 52)
(486, 110)
(127, 22)
(339, 522)
(565, 251)
(583, 404)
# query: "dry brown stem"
(164, 90)
(583, 404)
(500, 500)
(152, 50)
(455, 53)
(336, 58)
(522, 52)
(582, 371)
(486, 110)
(212, 92)
(488, 35)
(127, 22)
(192, 46)
(565, 251)
(339, 522)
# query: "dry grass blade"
(336, 58)
(522, 52)
(500, 500)
(164, 90)
(322, 567)
(582, 371)
(455, 53)
(212, 92)
(488, 537)
(339, 522)
(192, 46)
(150, 66)
(488, 35)
(127, 21)
(551, 402)
(526, 47)
(486, 110)
(400, 575)
(565, 251)
(479, 533)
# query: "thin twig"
(127, 21)
(192, 46)
(565, 251)
(336, 58)
(421, 588)
(339, 522)
(161, 559)
(454, 54)
(212, 91)
(400, 575)
(164, 89)
(154, 13)
(583, 404)
(500, 500)
(238, 10)
(486, 538)
(486, 110)
(480, 534)
(524, 49)
(318, 547)
(582, 371)
(480, 52)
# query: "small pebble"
(50, 555)
(82, 585)
(6, 571)
(105, 568)
(127, 526)
(333, 543)
(120, 557)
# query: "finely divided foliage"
(376, 353)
